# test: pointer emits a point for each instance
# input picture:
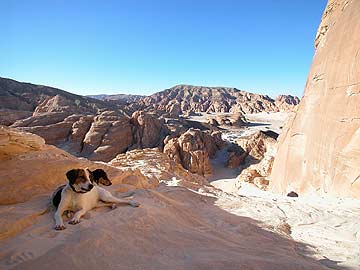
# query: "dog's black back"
(57, 196)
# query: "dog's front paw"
(134, 204)
(60, 227)
(74, 221)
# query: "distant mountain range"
(19, 100)
(188, 98)
(126, 98)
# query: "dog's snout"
(90, 186)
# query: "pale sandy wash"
(330, 227)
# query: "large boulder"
(148, 131)
(193, 150)
(319, 149)
(257, 144)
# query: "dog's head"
(79, 180)
(100, 177)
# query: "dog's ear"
(101, 177)
(72, 175)
(98, 173)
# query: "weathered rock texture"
(258, 159)
(193, 150)
(188, 98)
(7, 117)
(320, 147)
(29, 167)
(99, 137)
(118, 98)
(157, 167)
(286, 102)
(25, 97)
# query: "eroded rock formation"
(188, 98)
(193, 150)
(319, 150)
(256, 159)
(99, 137)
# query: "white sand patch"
(330, 226)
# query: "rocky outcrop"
(109, 135)
(286, 103)
(148, 131)
(26, 97)
(188, 98)
(158, 167)
(193, 150)
(256, 160)
(99, 137)
(319, 149)
(254, 156)
(8, 117)
(257, 144)
(229, 120)
(27, 163)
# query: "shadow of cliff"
(174, 228)
(250, 232)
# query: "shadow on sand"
(174, 228)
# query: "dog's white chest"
(84, 201)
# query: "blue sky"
(140, 47)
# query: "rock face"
(99, 137)
(193, 150)
(187, 98)
(319, 150)
(148, 131)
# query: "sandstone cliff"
(320, 147)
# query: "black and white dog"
(83, 193)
